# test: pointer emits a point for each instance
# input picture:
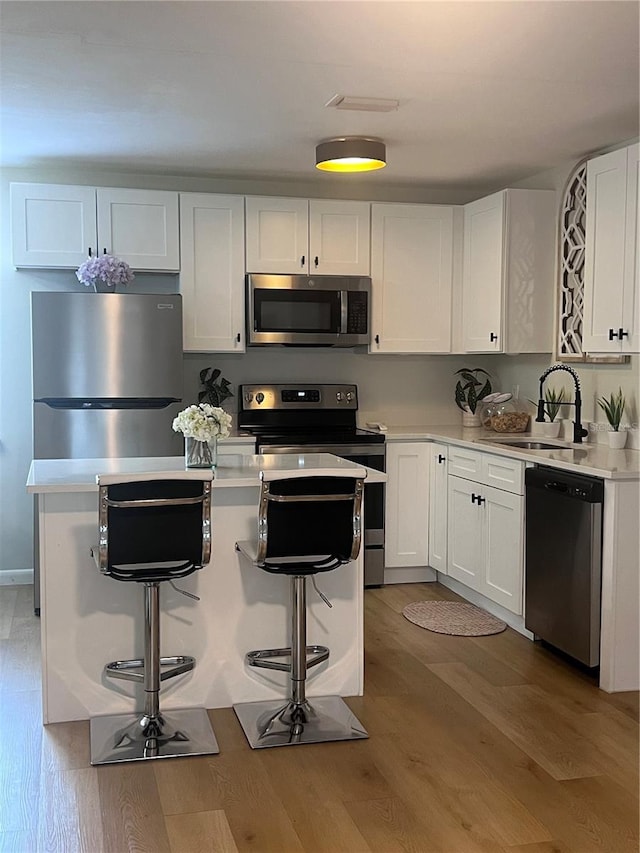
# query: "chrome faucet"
(578, 431)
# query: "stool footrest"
(260, 657)
(133, 670)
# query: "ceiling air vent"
(367, 105)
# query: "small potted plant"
(614, 409)
(553, 401)
(473, 387)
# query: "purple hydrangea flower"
(106, 268)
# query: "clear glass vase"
(200, 454)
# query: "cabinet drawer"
(498, 471)
(465, 463)
(503, 473)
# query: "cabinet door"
(465, 542)
(339, 234)
(503, 518)
(52, 226)
(605, 252)
(277, 235)
(438, 508)
(212, 274)
(407, 504)
(631, 299)
(140, 227)
(412, 276)
(482, 277)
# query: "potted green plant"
(614, 409)
(471, 388)
(553, 401)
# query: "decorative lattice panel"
(573, 213)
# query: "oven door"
(372, 456)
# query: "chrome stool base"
(132, 737)
(323, 718)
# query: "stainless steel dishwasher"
(563, 558)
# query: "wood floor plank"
(65, 746)
(203, 832)
(132, 818)
(8, 598)
(20, 771)
(184, 785)
(69, 814)
(554, 846)
(609, 809)
(521, 713)
(18, 842)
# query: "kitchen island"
(89, 619)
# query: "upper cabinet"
(612, 291)
(508, 272)
(59, 226)
(295, 236)
(412, 277)
(212, 274)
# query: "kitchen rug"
(453, 617)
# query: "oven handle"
(336, 449)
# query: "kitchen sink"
(528, 444)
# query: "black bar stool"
(153, 528)
(306, 524)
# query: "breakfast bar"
(88, 620)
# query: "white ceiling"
(490, 92)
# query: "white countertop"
(596, 460)
(233, 470)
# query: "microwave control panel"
(357, 312)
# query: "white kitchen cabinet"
(407, 504)
(59, 226)
(508, 272)
(412, 277)
(438, 507)
(612, 289)
(52, 226)
(212, 273)
(296, 236)
(140, 227)
(486, 540)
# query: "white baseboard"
(16, 577)
(512, 620)
(411, 574)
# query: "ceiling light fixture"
(351, 154)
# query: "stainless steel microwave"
(301, 310)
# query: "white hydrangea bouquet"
(203, 422)
(104, 270)
(202, 426)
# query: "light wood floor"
(486, 744)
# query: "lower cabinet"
(407, 504)
(485, 540)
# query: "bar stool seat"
(308, 523)
(154, 528)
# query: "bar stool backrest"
(154, 528)
(303, 517)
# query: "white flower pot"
(617, 440)
(471, 420)
(551, 430)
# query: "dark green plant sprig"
(214, 392)
(613, 408)
(467, 396)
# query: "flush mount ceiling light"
(351, 154)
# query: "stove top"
(316, 436)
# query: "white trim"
(513, 621)
(16, 577)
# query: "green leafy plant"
(613, 408)
(554, 400)
(214, 392)
(467, 395)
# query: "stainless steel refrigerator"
(107, 375)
